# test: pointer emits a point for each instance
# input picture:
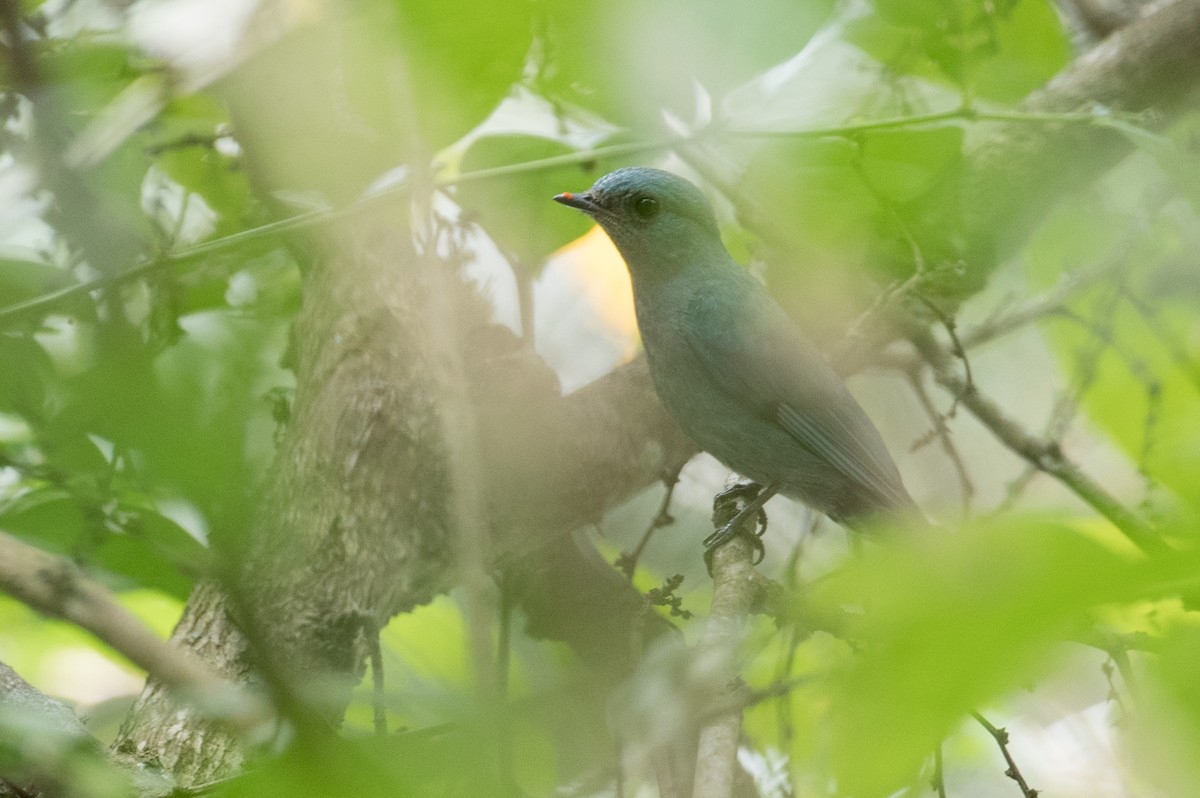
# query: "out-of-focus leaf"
(22, 279)
(814, 190)
(43, 743)
(447, 761)
(409, 74)
(155, 552)
(461, 60)
(1165, 733)
(85, 73)
(516, 210)
(628, 61)
(951, 621)
(48, 517)
(216, 178)
(25, 374)
(902, 165)
(1000, 51)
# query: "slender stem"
(938, 782)
(375, 653)
(1000, 735)
(627, 562)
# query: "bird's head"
(654, 217)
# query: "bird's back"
(751, 389)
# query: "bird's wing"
(756, 354)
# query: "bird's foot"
(738, 490)
(756, 497)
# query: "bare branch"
(627, 561)
(941, 432)
(55, 586)
(1045, 455)
(733, 597)
(1000, 735)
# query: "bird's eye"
(646, 207)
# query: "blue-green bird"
(737, 374)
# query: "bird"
(733, 369)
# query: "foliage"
(145, 370)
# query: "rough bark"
(62, 730)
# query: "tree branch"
(734, 593)
(55, 586)
(1042, 454)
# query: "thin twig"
(379, 709)
(1046, 456)
(1046, 304)
(938, 782)
(627, 561)
(942, 433)
(1000, 735)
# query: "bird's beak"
(582, 202)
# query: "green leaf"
(1000, 51)
(814, 190)
(155, 552)
(628, 61)
(516, 210)
(25, 376)
(48, 517)
(214, 177)
(22, 279)
(902, 165)
(949, 622)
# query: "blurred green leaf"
(950, 622)
(153, 552)
(214, 177)
(630, 61)
(1165, 733)
(444, 761)
(22, 279)
(84, 73)
(817, 187)
(902, 165)
(461, 59)
(1181, 167)
(48, 517)
(25, 375)
(1000, 51)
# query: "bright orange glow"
(597, 268)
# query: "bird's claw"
(739, 490)
(752, 492)
(760, 551)
(727, 532)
